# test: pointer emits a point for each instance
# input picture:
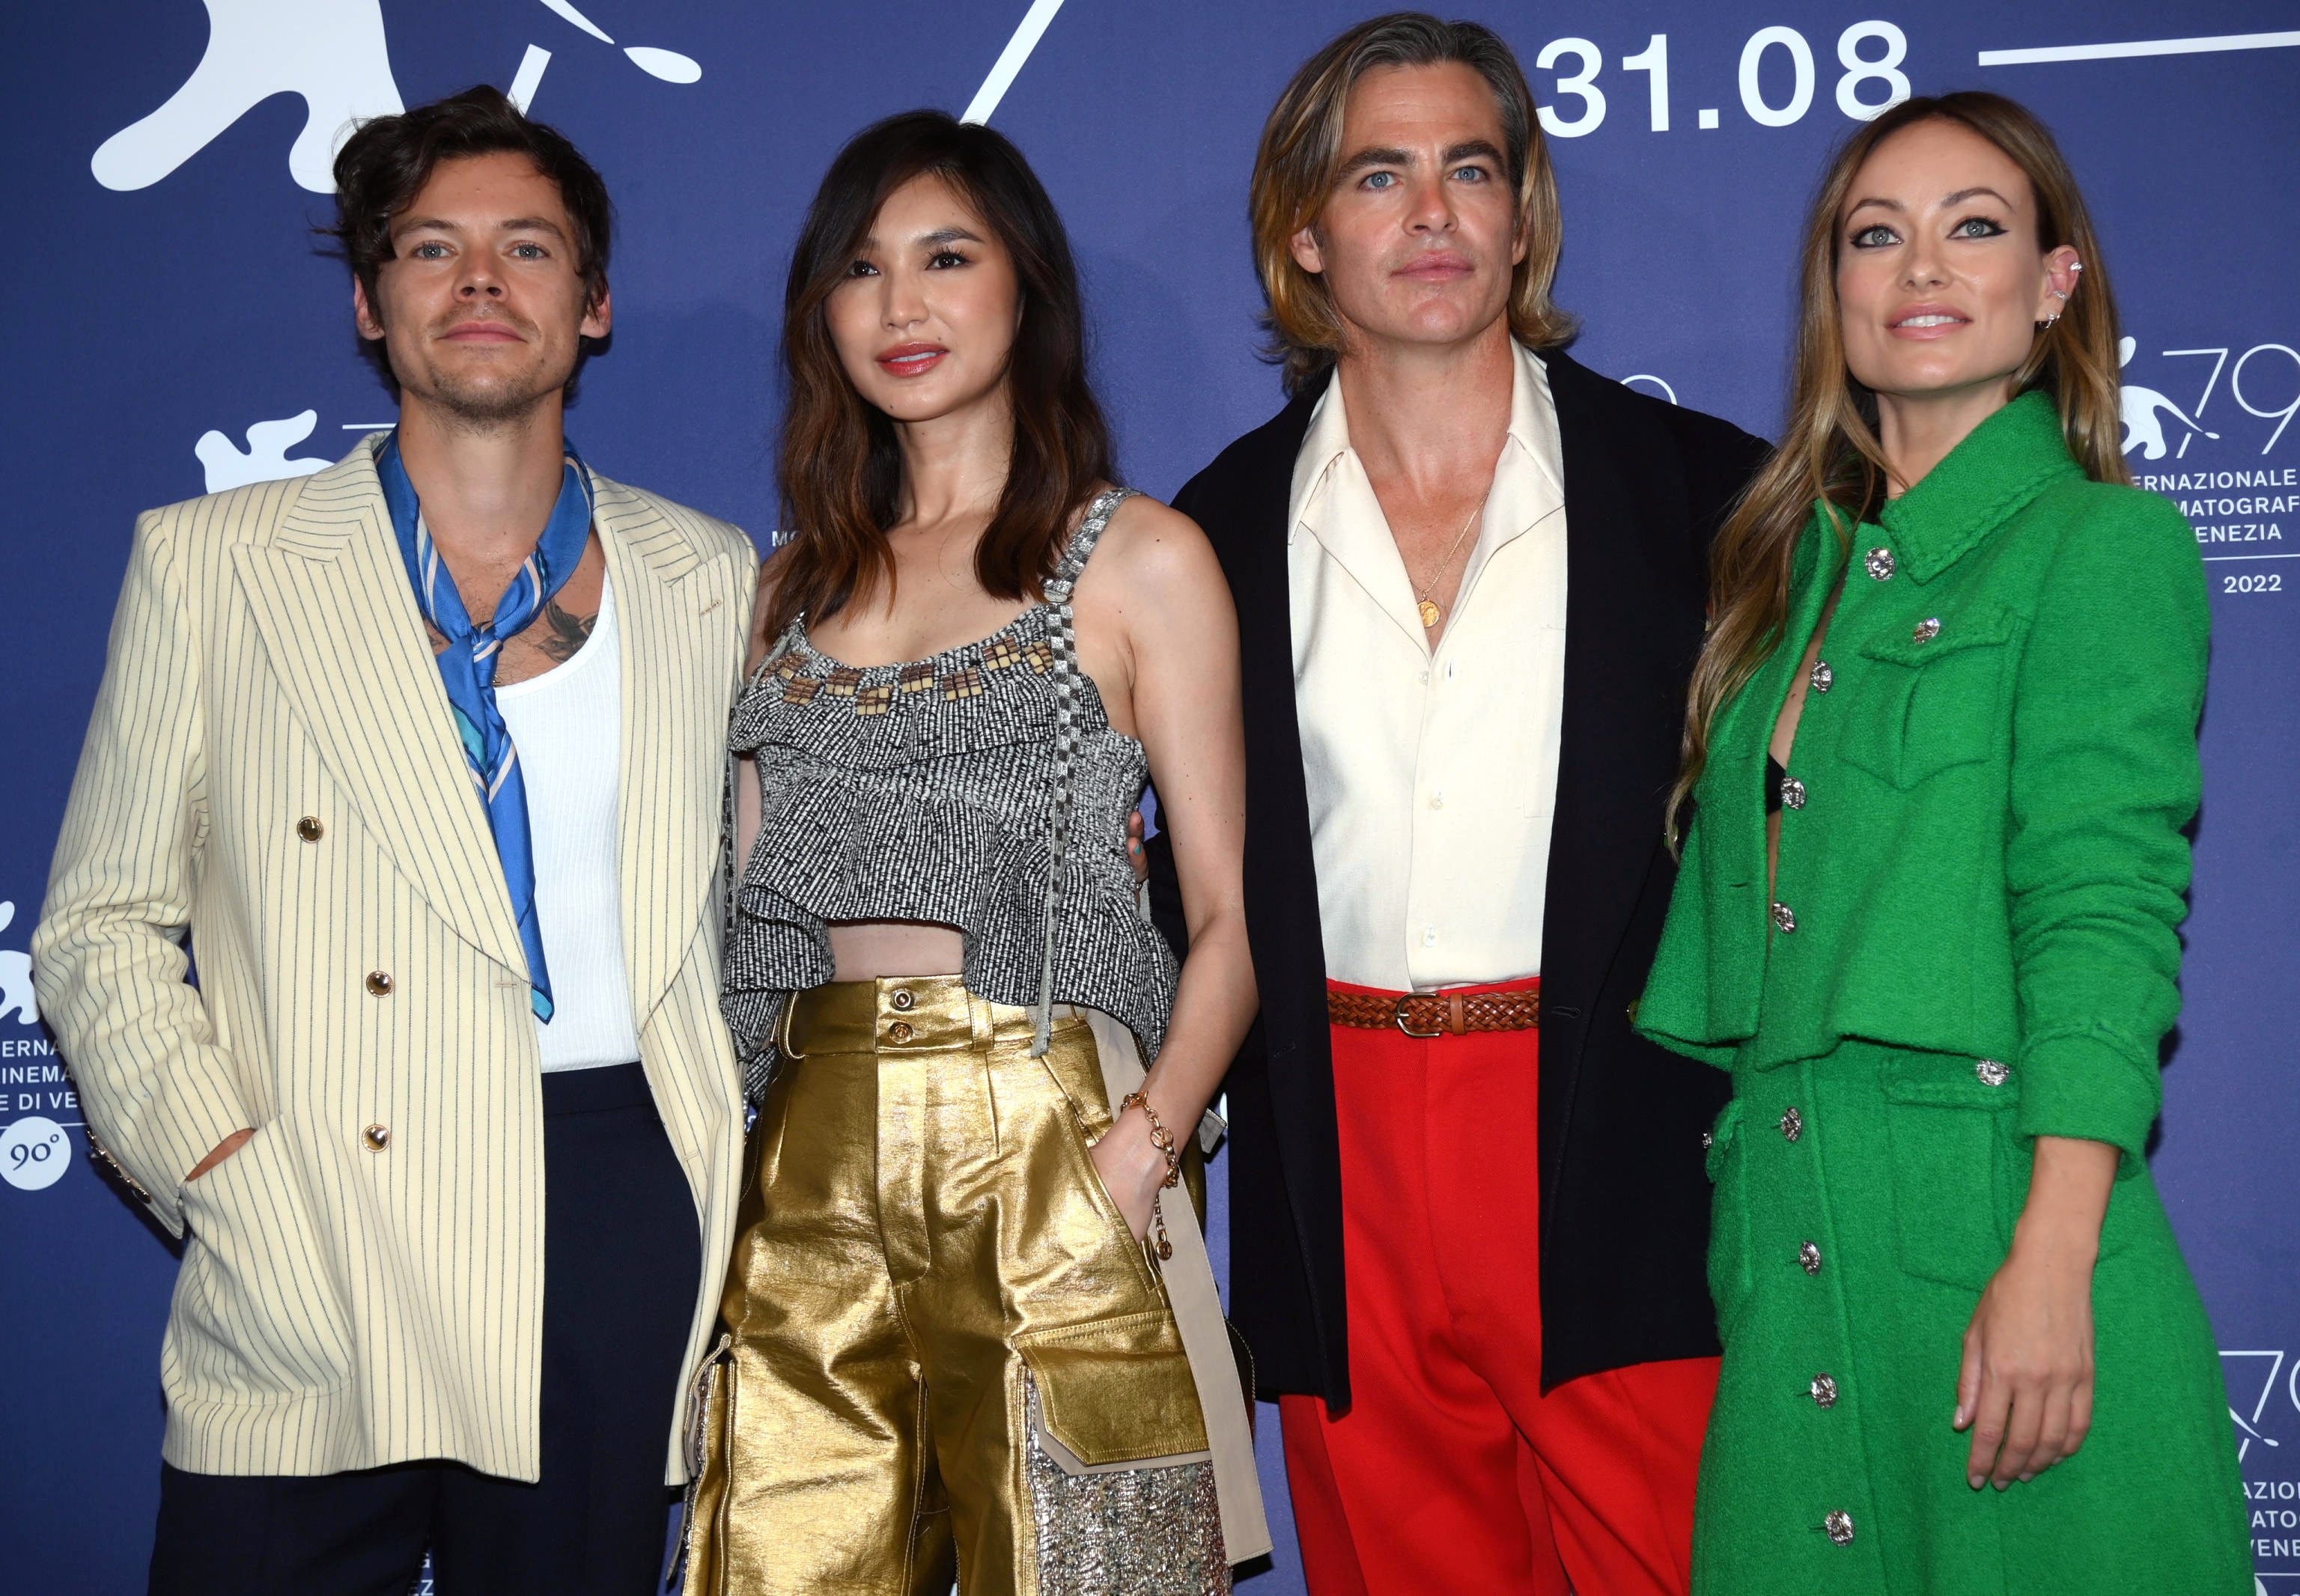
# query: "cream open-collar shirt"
(1432, 776)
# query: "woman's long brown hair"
(1830, 452)
(841, 465)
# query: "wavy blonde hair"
(1301, 153)
(1829, 451)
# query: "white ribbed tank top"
(568, 726)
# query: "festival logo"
(266, 459)
(2260, 1385)
(2213, 468)
(2262, 382)
(2145, 410)
(16, 994)
(2253, 1384)
(333, 54)
(34, 1150)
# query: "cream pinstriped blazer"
(341, 1306)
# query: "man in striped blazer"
(449, 1122)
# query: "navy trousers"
(622, 1266)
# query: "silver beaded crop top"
(983, 788)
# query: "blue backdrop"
(171, 329)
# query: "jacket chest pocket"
(1929, 698)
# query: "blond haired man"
(1470, 1214)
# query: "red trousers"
(1451, 1472)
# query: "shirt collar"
(1322, 448)
(1532, 432)
(1533, 422)
(1998, 469)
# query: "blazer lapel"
(1633, 605)
(677, 689)
(1251, 533)
(330, 595)
(1614, 741)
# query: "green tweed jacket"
(1992, 772)
(1972, 942)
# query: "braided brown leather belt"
(1427, 1014)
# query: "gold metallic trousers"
(946, 1352)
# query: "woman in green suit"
(1940, 752)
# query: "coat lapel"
(1623, 692)
(330, 597)
(1242, 508)
(1633, 606)
(1250, 534)
(677, 689)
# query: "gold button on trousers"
(946, 1352)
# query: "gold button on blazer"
(352, 1296)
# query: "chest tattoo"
(563, 634)
(558, 635)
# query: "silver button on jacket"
(1879, 562)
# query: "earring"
(2060, 296)
(2048, 322)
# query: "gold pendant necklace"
(1431, 614)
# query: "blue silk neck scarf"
(467, 667)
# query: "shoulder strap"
(1064, 638)
(782, 644)
(1082, 545)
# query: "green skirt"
(1863, 1199)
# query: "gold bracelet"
(1165, 1143)
(1159, 1139)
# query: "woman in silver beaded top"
(970, 1327)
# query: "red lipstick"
(910, 360)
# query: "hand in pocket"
(1132, 1171)
(223, 1150)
